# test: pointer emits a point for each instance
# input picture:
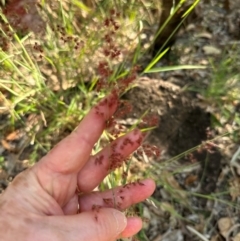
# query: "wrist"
(5, 225)
(13, 224)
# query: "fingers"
(108, 159)
(69, 155)
(101, 225)
(134, 225)
(120, 197)
(97, 221)
(71, 207)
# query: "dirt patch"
(182, 123)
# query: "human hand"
(42, 204)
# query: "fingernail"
(121, 221)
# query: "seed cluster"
(117, 88)
(99, 160)
(116, 158)
(117, 201)
(149, 150)
(112, 52)
(38, 49)
(150, 120)
(110, 49)
(65, 38)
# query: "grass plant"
(221, 92)
(52, 75)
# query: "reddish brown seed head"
(122, 197)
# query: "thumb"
(104, 224)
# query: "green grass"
(221, 92)
(47, 76)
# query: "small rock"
(211, 50)
(173, 235)
(237, 237)
(204, 35)
(224, 225)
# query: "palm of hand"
(48, 189)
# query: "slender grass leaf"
(173, 68)
(155, 60)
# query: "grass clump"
(51, 75)
(220, 93)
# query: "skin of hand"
(42, 203)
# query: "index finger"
(70, 155)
